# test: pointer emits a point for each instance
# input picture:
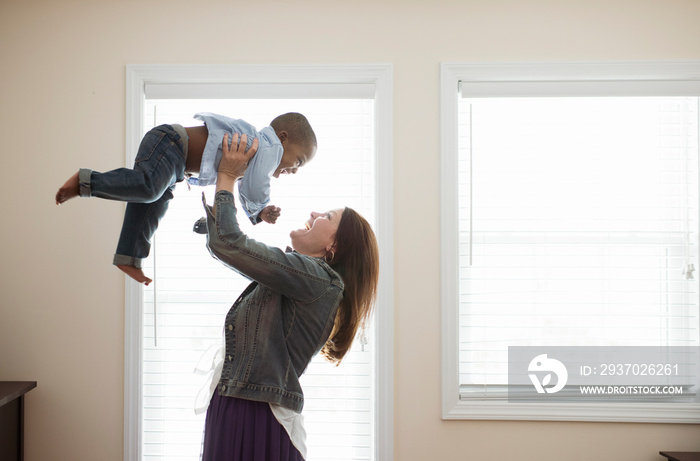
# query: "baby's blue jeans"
(148, 187)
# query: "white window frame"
(622, 78)
(378, 75)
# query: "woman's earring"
(331, 258)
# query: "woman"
(302, 301)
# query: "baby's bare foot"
(69, 190)
(135, 273)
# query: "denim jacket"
(280, 321)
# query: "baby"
(170, 153)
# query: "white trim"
(449, 82)
(384, 314)
(379, 75)
(451, 74)
(576, 71)
(620, 412)
(133, 384)
(133, 318)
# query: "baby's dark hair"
(297, 127)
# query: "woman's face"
(317, 237)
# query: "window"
(570, 218)
(192, 292)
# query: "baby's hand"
(270, 213)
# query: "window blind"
(265, 91)
(184, 308)
(572, 88)
(578, 226)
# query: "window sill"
(687, 413)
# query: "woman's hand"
(234, 161)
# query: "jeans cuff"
(84, 180)
(123, 260)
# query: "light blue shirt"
(254, 188)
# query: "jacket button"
(230, 327)
(223, 388)
(230, 358)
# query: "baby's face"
(294, 156)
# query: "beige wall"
(62, 67)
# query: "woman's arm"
(233, 162)
(293, 275)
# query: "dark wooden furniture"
(12, 418)
(681, 455)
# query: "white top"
(293, 423)
(211, 364)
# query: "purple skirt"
(244, 430)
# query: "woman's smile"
(318, 233)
